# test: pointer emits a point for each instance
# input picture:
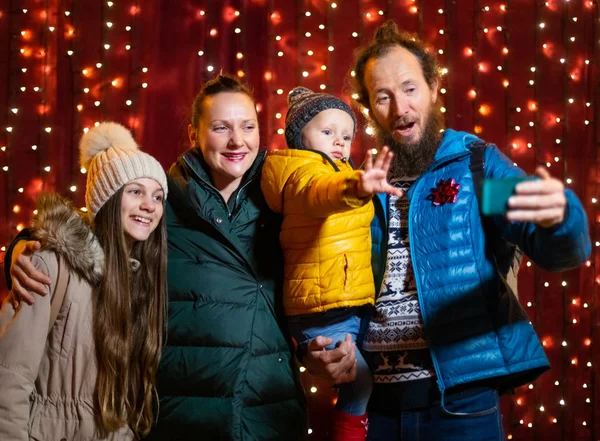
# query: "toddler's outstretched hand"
(373, 179)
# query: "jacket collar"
(454, 145)
(194, 160)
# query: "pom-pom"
(99, 139)
(296, 93)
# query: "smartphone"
(496, 193)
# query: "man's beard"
(411, 160)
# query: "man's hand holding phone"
(539, 200)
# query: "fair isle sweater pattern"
(395, 336)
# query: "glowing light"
(484, 110)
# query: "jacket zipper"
(436, 366)
(249, 264)
(212, 187)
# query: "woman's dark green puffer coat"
(227, 371)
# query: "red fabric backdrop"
(521, 73)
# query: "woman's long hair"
(129, 320)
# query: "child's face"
(330, 132)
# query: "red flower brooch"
(445, 192)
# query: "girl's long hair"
(129, 320)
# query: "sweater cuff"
(25, 234)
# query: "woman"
(227, 371)
(90, 374)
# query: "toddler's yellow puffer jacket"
(325, 236)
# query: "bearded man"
(447, 335)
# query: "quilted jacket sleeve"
(321, 192)
(562, 247)
(23, 335)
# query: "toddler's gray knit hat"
(303, 106)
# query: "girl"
(88, 373)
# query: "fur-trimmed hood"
(61, 228)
